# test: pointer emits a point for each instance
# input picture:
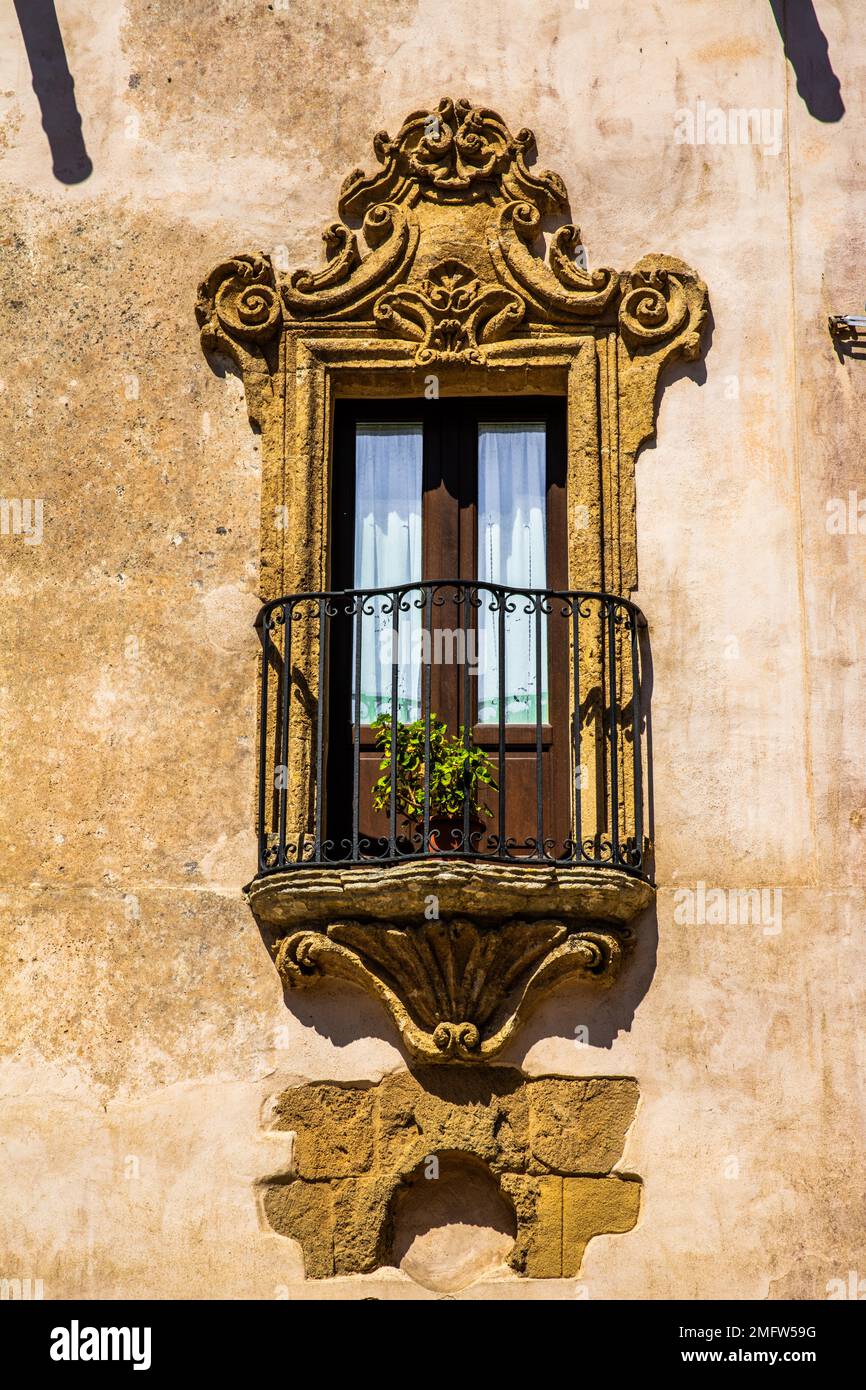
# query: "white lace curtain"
(512, 551)
(388, 477)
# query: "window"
(386, 553)
(466, 496)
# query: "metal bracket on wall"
(848, 332)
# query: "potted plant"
(455, 775)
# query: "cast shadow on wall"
(54, 88)
(849, 345)
(808, 52)
(587, 1017)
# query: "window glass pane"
(512, 551)
(388, 477)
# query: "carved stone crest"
(462, 159)
(451, 313)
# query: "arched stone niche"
(399, 1173)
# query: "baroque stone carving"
(455, 154)
(455, 989)
(551, 1143)
(558, 291)
(451, 313)
(464, 158)
(238, 308)
(456, 253)
(349, 285)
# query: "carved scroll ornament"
(464, 158)
(455, 989)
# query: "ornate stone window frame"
(453, 285)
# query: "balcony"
(502, 847)
(555, 720)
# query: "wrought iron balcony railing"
(552, 688)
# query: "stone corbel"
(663, 309)
(239, 312)
(457, 986)
(455, 989)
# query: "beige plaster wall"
(144, 1030)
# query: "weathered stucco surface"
(145, 1033)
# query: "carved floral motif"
(450, 314)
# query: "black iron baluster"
(263, 739)
(578, 810)
(358, 628)
(467, 711)
(425, 647)
(320, 725)
(501, 644)
(395, 649)
(614, 768)
(539, 784)
(636, 753)
(285, 714)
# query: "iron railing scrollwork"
(546, 682)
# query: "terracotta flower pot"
(446, 833)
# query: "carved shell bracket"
(451, 176)
(455, 989)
